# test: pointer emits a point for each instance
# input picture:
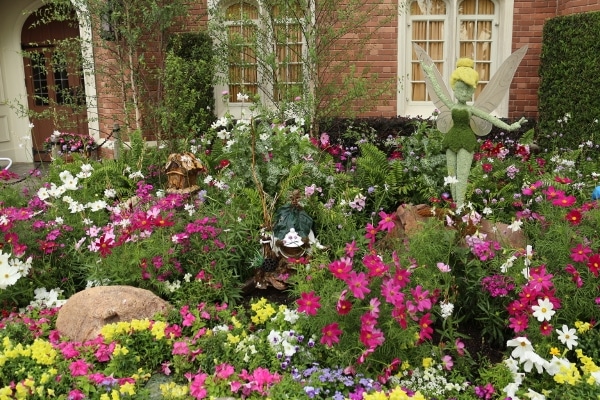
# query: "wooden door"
(53, 78)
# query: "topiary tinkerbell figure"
(460, 121)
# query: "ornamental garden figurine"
(182, 173)
(461, 122)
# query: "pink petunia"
(308, 303)
(331, 334)
(197, 389)
(224, 370)
(79, 368)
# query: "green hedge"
(570, 80)
(188, 85)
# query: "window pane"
(475, 36)
(430, 34)
(243, 76)
(40, 79)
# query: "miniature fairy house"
(182, 173)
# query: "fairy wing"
(493, 93)
(444, 119)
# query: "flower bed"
(378, 311)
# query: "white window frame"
(502, 27)
(265, 90)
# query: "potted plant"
(65, 144)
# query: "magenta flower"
(580, 253)
(518, 323)
(224, 371)
(79, 368)
(371, 337)
(180, 348)
(358, 284)
(594, 264)
(76, 395)
(387, 222)
(343, 306)
(331, 334)
(564, 201)
(576, 275)
(351, 248)
(422, 298)
(341, 268)
(375, 265)
(391, 291)
(426, 330)
(308, 303)
(197, 388)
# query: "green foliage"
(568, 103)
(188, 104)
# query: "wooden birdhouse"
(182, 173)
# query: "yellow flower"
(233, 339)
(405, 365)
(554, 351)
(235, 322)
(427, 362)
(582, 327)
(43, 352)
(120, 350)
(127, 388)
(398, 394)
(104, 396)
(172, 390)
(140, 324)
(158, 329)
(568, 375)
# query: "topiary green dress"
(460, 136)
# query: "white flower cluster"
(12, 269)
(45, 298)
(430, 380)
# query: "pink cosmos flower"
(402, 277)
(594, 264)
(390, 289)
(580, 253)
(518, 323)
(331, 334)
(443, 267)
(358, 284)
(426, 331)
(308, 303)
(341, 268)
(422, 298)
(387, 221)
(351, 248)
(343, 306)
(375, 265)
(371, 337)
(576, 275)
(546, 329)
(371, 232)
(574, 217)
(553, 193)
(564, 201)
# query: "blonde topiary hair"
(464, 72)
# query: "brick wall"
(566, 7)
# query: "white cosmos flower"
(522, 346)
(544, 310)
(567, 336)
(9, 274)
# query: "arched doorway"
(54, 76)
